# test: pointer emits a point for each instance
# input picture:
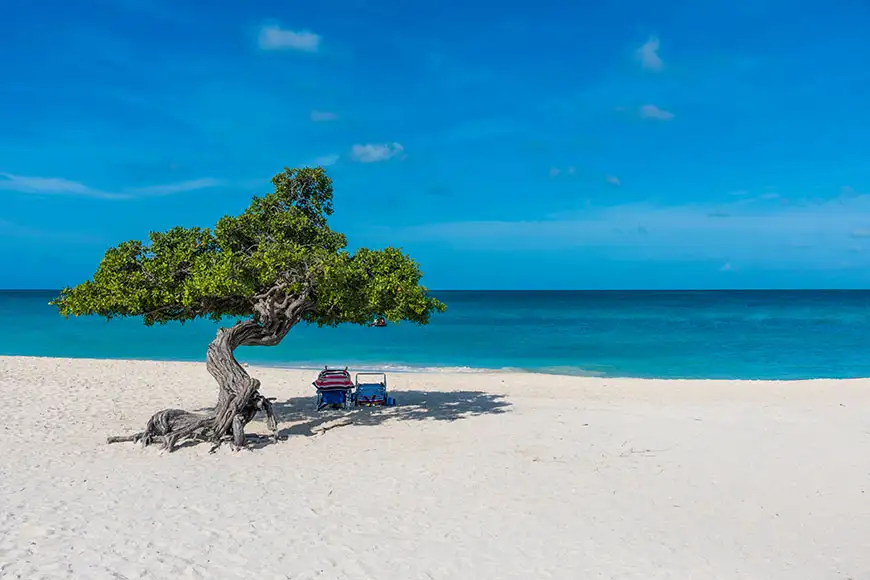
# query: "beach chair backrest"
(371, 379)
(333, 379)
(371, 387)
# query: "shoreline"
(440, 371)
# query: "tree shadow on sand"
(298, 415)
(304, 419)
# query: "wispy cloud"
(613, 180)
(861, 233)
(273, 37)
(653, 112)
(58, 186)
(648, 55)
(173, 188)
(371, 152)
(51, 186)
(326, 160)
(751, 234)
(554, 171)
(320, 116)
(727, 267)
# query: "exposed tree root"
(239, 399)
(172, 426)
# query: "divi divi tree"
(273, 266)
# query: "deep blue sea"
(668, 334)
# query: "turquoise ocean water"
(674, 334)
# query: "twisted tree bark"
(239, 398)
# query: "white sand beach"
(476, 475)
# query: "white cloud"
(861, 233)
(172, 188)
(648, 55)
(274, 37)
(727, 267)
(613, 180)
(326, 160)
(318, 116)
(58, 186)
(371, 152)
(51, 186)
(554, 171)
(571, 171)
(653, 112)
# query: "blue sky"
(555, 144)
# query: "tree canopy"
(280, 246)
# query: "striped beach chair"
(334, 389)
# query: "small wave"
(397, 368)
(409, 368)
(566, 371)
(372, 367)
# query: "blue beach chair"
(371, 390)
(334, 389)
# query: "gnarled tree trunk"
(239, 398)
